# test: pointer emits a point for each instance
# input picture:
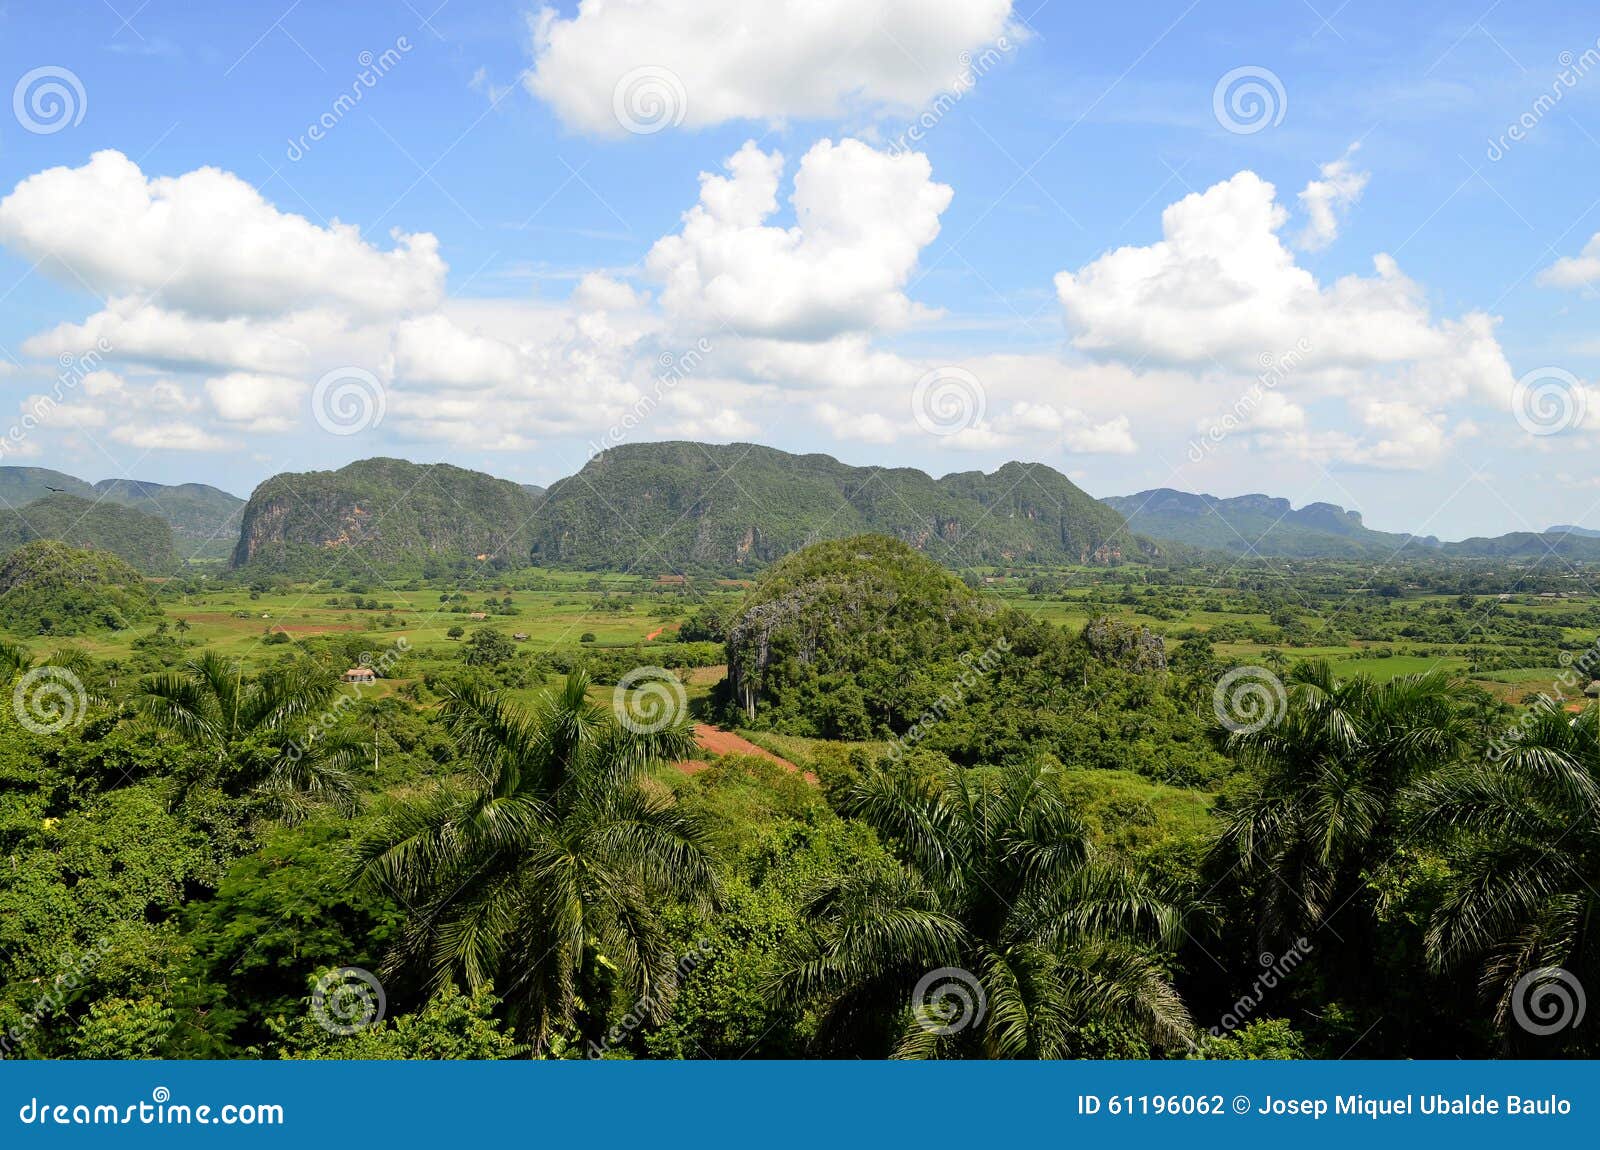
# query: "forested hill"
(1258, 525)
(378, 515)
(204, 519)
(692, 506)
(142, 540)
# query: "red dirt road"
(720, 742)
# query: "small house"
(360, 675)
(521, 636)
(1593, 690)
(478, 615)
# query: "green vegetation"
(49, 588)
(384, 515)
(141, 540)
(1009, 785)
(204, 521)
(669, 494)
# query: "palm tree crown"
(557, 857)
(1327, 775)
(254, 730)
(1527, 831)
(999, 934)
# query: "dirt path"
(720, 742)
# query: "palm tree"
(552, 864)
(255, 733)
(1327, 775)
(1522, 894)
(999, 933)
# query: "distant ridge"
(693, 506)
(1257, 524)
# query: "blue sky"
(551, 280)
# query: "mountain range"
(204, 521)
(692, 507)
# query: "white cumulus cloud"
(207, 243)
(862, 218)
(712, 61)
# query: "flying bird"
(57, 490)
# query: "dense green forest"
(861, 806)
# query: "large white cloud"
(862, 218)
(1220, 288)
(207, 243)
(711, 61)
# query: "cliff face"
(387, 513)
